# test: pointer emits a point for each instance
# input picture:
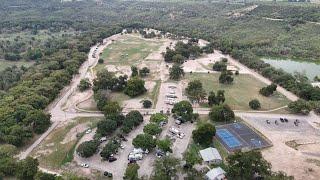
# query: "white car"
(88, 131)
(122, 146)
(84, 165)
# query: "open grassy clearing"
(129, 49)
(4, 64)
(55, 151)
(238, 94)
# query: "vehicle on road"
(88, 131)
(84, 165)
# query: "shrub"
(255, 104)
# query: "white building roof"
(216, 173)
(210, 154)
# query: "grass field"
(4, 64)
(238, 94)
(52, 153)
(129, 50)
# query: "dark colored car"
(106, 173)
(111, 159)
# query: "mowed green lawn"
(4, 64)
(129, 49)
(244, 89)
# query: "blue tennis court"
(228, 138)
(237, 136)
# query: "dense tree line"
(22, 106)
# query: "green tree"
(226, 77)
(183, 109)
(110, 148)
(144, 141)
(152, 129)
(164, 145)
(87, 148)
(132, 172)
(27, 169)
(219, 66)
(204, 134)
(268, 90)
(176, 72)
(222, 113)
(39, 120)
(111, 108)
(7, 162)
(299, 106)
(147, 103)
(144, 72)
(178, 58)
(166, 168)
(158, 117)
(255, 104)
(135, 87)
(243, 165)
(134, 71)
(45, 176)
(84, 84)
(106, 127)
(100, 61)
(195, 91)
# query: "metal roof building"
(216, 174)
(211, 155)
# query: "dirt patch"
(149, 85)
(72, 134)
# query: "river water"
(308, 68)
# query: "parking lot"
(169, 94)
(305, 135)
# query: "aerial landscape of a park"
(159, 89)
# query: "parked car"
(84, 165)
(111, 159)
(88, 131)
(106, 173)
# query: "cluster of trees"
(88, 148)
(110, 148)
(144, 141)
(11, 75)
(226, 77)
(297, 83)
(23, 169)
(204, 134)
(184, 110)
(182, 52)
(22, 106)
(132, 119)
(268, 90)
(195, 91)
(141, 72)
(221, 113)
(245, 165)
(220, 65)
(214, 99)
(301, 106)
(135, 87)
(84, 84)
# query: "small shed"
(211, 155)
(216, 174)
